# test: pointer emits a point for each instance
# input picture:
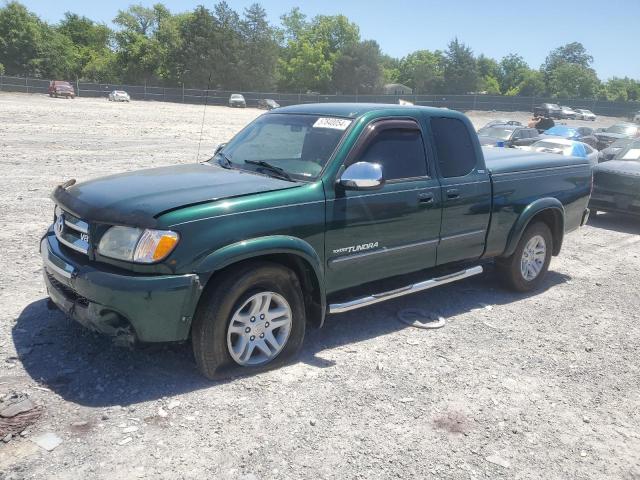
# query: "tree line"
(224, 49)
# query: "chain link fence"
(221, 97)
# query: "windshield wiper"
(280, 172)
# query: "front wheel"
(526, 268)
(254, 317)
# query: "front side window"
(300, 145)
(456, 151)
(399, 151)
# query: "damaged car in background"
(310, 210)
(616, 183)
(606, 136)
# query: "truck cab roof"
(355, 110)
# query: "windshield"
(501, 133)
(300, 145)
(629, 130)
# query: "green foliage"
(21, 39)
(531, 85)
(490, 85)
(621, 89)
(460, 68)
(1, 69)
(358, 68)
(513, 70)
(243, 51)
(569, 80)
(311, 49)
(423, 70)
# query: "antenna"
(206, 98)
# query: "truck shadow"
(616, 222)
(87, 369)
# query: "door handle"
(453, 193)
(425, 198)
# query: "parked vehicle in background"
(504, 135)
(568, 148)
(268, 104)
(581, 134)
(636, 117)
(552, 110)
(620, 130)
(568, 112)
(616, 183)
(584, 114)
(237, 100)
(61, 88)
(281, 227)
(612, 150)
(119, 96)
(503, 122)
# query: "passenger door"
(394, 229)
(466, 191)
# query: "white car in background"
(584, 114)
(119, 96)
(563, 146)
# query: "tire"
(512, 268)
(220, 308)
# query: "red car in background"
(61, 88)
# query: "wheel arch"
(291, 252)
(548, 210)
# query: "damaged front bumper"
(155, 308)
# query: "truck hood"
(138, 198)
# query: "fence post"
(164, 98)
(26, 82)
(1, 80)
(475, 101)
(145, 89)
(183, 92)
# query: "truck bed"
(508, 160)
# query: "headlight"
(137, 245)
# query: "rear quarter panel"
(513, 192)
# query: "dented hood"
(138, 198)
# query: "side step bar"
(399, 292)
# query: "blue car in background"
(580, 134)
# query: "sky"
(608, 30)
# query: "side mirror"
(218, 147)
(362, 176)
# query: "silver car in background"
(237, 100)
(584, 114)
(119, 96)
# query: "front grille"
(71, 231)
(68, 292)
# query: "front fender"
(527, 215)
(263, 246)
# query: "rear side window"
(456, 152)
(399, 151)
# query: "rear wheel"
(253, 318)
(526, 268)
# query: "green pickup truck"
(309, 210)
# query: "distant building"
(397, 89)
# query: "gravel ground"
(514, 386)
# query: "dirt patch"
(548, 382)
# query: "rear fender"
(544, 204)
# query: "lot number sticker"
(334, 123)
